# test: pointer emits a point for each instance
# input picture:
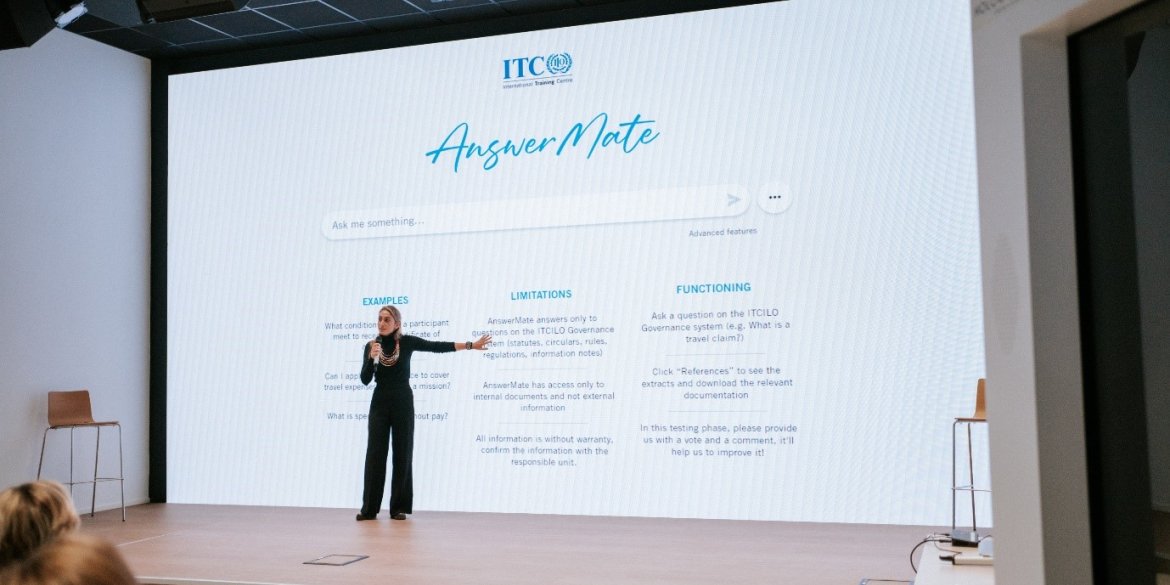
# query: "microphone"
(378, 340)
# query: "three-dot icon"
(774, 197)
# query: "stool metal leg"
(41, 465)
(971, 474)
(71, 482)
(121, 474)
(954, 476)
(93, 494)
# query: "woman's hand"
(375, 350)
(481, 343)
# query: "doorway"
(1120, 94)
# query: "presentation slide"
(729, 260)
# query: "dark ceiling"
(269, 24)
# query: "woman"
(31, 515)
(387, 361)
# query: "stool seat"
(71, 410)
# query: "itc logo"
(538, 66)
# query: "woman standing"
(391, 423)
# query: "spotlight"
(67, 17)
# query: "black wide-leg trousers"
(390, 428)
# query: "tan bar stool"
(980, 416)
(71, 410)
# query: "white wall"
(1034, 396)
(74, 253)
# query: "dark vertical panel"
(1115, 422)
(157, 488)
(1149, 109)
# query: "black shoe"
(398, 516)
(361, 517)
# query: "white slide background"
(816, 156)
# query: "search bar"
(541, 212)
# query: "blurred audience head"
(73, 559)
(31, 515)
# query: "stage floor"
(177, 543)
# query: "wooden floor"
(180, 544)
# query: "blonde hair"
(32, 514)
(397, 318)
(73, 559)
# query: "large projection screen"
(730, 261)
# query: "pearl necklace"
(389, 359)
